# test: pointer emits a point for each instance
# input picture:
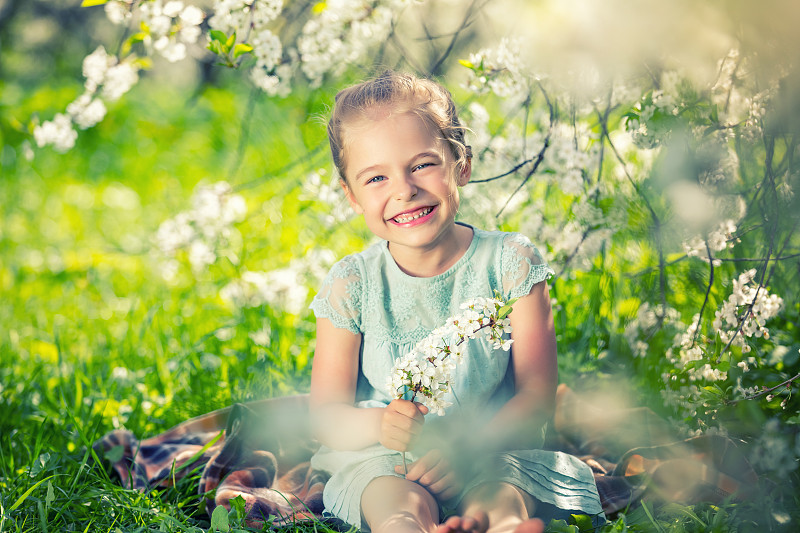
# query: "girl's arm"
(518, 424)
(336, 421)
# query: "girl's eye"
(376, 179)
(422, 165)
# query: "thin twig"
(764, 392)
(463, 26)
(708, 292)
(768, 177)
(540, 155)
(508, 173)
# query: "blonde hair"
(403, 92)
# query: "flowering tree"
(655, 168)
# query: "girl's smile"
(403, 180)
(412, 217)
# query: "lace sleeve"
(339, 298)
(522, 266)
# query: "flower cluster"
(166, 29)
(722, 238)
(250, 21)
(426, 370)
(651, 121)
(285, 288)
(170, 27)
(733, 318)
(498, 70)
(690, 357)
(107, 79)
(206, 227)
(343, 33)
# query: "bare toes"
(534, 525)
(478, 523)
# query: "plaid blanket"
(261, 451)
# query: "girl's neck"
(431, 262)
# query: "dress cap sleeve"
(339, 297)
(522, 266)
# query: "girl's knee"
(393, 504)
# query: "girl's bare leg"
(507, 508)
(394, 505)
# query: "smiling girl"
(399, 149)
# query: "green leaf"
(584, 522)
(28, 493)
(90, 3)
(504, 312)
(50, 498)
(137, 37)
(219, 519)
(468, 64)
(231, 40)
(237, 513)
(218, 36)
(241, 49)
(560, 526)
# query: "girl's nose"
(405, 188)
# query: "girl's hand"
(401, 423)
(434, 472)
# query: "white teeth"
(402, 219)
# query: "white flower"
(201, 254)
(190, 34)
(86, 112)
(173, 8)
(58, 132)
(95, 66)
(192, 15)
(170, 49)
(119, 80)
(261, 337)
(117, 12)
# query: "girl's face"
(401, 178)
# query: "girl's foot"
(534, 525)
(477, 523)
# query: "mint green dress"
(367, 293)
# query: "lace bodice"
(367, 293)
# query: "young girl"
(399, 149)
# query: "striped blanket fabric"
(261, 450)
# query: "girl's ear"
(351, 198)
(465, 174)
